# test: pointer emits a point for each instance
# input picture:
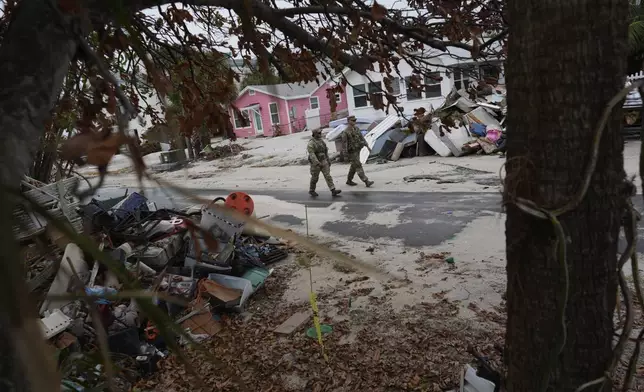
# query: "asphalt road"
(425, 218)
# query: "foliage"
(636, 27)
(635, 36)
(157, 52)
(134, 58)
(256, 77)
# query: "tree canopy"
(94, 65)
(257, 77)
(167, 48)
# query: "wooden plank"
(293, 323)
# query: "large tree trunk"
(566, 61)
(34, 59)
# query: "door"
(257, 122)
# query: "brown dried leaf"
(111, 102)
(476, 48)
(211, 241)
(70, 6)
(193, 228)
(100, 153)
(76, 146)
(137, 157)
(378, 12)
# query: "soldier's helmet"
(316, 132)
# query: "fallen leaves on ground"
(422, 348)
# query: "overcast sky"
(233, 40)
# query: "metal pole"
(306, 214)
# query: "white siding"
(446, 84)
(355, 79)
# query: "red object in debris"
(151, 332)
(240, 202)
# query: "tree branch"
(411, 32)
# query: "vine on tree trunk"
(531, 208)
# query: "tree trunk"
(34, 58)
(567, 59)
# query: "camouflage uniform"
(319, 160)
(353, 142)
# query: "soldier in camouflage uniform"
(353, 142)
(320, 162)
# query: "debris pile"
(217, 152)
(163, 278)
(468, 122)
(195, 264)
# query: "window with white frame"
(360, 96)
(293, 111)
(338, 97)
(251, 92)
(393, 86)
(375, 88)
(462, 77)
(238, 120)
(413, 89)
(433, 85)
(315, 103)
(375, 94)
(366, 94)
(275, 114)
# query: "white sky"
(233, 40)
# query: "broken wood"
(293, 323)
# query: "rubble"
(468, 122)
(198, 262)
(210, 153)
(216, 281)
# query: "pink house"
(288, 108)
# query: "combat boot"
(313, 193)
(351, 183)
(368, 183)
(335, 192)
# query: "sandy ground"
(472, 285)
(478, 272)
(277, 163)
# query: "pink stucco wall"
(298, 123)
(263, 100)
(287, 124)
(325, 105)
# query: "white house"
(446, 71)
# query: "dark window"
(433, 85)
(375, 94)
(360, 96)
(238, 121)
(462, 78)
(395, 87)
(414, 90)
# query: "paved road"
(425, 218)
